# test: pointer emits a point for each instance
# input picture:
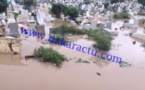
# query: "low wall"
(10, 45)
(139, 36)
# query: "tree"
(66, 29)
(3, 5)
(87, 1)
(49, 55)
(57, 9)
(73, 12)
(116, 1)
(142, 2)
(103, 41)
(122, 15)
(28, 3)
(143, 45)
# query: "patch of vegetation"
(6, 13)
(3, 5)
(6, 20)
(116, 1)
(65, 29)
(2, 26)
(28, 2)
(102, 39)
(87, 23)
(58, 36)
(57, 9)
(19, 12)
(32, 22)
(91, 33)
(35, 4)
(142, 2)
(87, 1)
(97, 25)
(122, 15)
(16, 15)
(143, 45)
(73, 12)
(49, 55)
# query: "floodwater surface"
(18, 74)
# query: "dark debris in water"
(125, 64)
(82, 61)
(98, 74)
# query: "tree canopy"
(3, 5)
(87, 1)
(49, 55)
(103, 41)
(28, 2)
(57, 9)
(116, 1)
(73, 12)
(122, 15)
(142, 2)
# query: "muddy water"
(19, 74)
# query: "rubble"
(82, 61)
(125, 64)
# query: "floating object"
(30, 56)
(85, 61)
(99, 74)
(134, 42)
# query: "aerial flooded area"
(79, 71)
(20, 74)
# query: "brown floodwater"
(18, 74)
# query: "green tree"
(142, 2)
(3, 5)
(65, 29)
(87, 1)
(122, 15)
(49, 55)
(116, 1)
(143, 45)
(73, 12)
(103, 40)
(57, 9)
(28, 3)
